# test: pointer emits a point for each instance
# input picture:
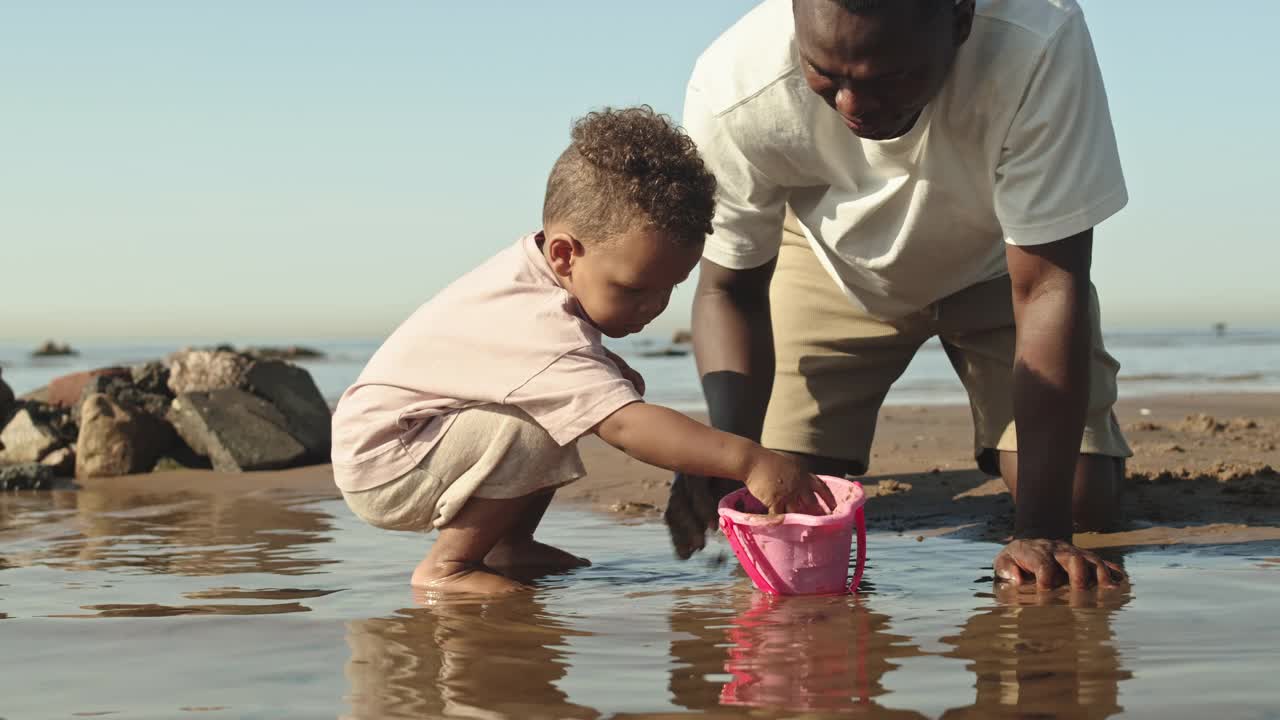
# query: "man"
(893, 170)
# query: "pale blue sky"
(312, 168)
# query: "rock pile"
(223, 409)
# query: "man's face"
(879, 69)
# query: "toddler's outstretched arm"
(663, 437)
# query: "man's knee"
(1097, 487)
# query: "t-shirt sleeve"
(1059, 172)
(747, 228)
(574, 394)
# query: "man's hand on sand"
(1047, 564)
(691, 510)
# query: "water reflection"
(474, 659)
(1044, 655)
(170, 527)
(822, 653)
(1051, 656)
(636, 632)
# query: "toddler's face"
(625, 284)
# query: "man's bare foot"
(456, 577)
(531, 554)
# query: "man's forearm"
(733, 343)
(1050, 401)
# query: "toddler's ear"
(561, 247)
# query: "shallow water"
(138, 601)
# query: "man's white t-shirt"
(1017, 147)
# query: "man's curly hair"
(629, 168)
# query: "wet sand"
(1202, 472)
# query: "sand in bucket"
(801, 554)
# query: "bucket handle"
(740, 539)
(860, 522)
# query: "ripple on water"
(278, 603)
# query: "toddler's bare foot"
(456, 577)
(530, 553)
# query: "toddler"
(466, 419)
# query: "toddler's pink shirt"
(504, 333)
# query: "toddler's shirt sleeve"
(573, 394)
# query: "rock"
(171, 462)
(67, 390)
(57, 419)
(25, 439)
(890, 486)
(152, 377)
(292, 391)
(52, 349)
(236, 430)
(29, 476)
(125, 393)
(7, 401)
(665, 352)
(115, 440)
(1201, 423)
(289, 352)
(629, 508)
(62, 461)
(200, 371)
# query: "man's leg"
(978, 334)
(1095, 493)
(834, 365)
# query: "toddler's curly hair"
(628, 168)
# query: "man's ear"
(562, 248)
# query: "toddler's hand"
(782, 485)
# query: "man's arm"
(733, 343)
(1050, 401)
(1050, 378)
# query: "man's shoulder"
(751, 57)
(1008, 42)
(1036, 21)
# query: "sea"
(1153, 362)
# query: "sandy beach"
(1203, 472)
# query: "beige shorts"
(490, 451)
(835, 364)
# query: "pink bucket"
(802, 554)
